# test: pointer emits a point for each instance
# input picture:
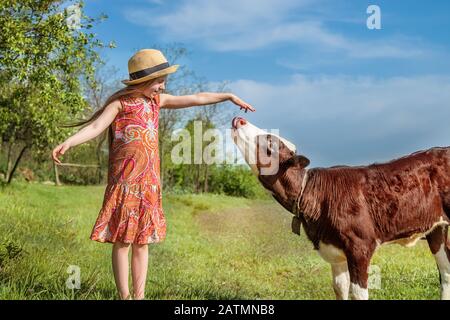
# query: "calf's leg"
(341, 280)
(336, 258)
(437, 241)
(358, 266)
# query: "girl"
(132, 209)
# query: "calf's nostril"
(238, 122)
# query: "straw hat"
(148, 64)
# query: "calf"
(348, 212)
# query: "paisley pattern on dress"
(132, 206)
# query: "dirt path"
(257, 219)
(264, 226)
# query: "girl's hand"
(241, 103)
(60, 150)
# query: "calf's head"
(268, 154)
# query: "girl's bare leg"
(120, 268)
(139, 265)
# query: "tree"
(42, 59)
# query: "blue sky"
(342, 93)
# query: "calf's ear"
(297, 160)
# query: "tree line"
(51, 73)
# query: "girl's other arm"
(90, 131)
(201, 99)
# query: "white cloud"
(353, 120)
(235, 25)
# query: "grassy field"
(217, 247)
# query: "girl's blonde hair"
(131, 90)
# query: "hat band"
(146, 72)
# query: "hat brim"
(154, 75)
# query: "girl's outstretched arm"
(90, 131)
(201, 99)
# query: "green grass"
(217, 247)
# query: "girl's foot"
(128, 297)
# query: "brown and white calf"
(347, 212)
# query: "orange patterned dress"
(132, 207)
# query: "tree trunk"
(17, 163)
(1, 148)
(55, 168)
(197, 178)
(99, 162)
(205, 183)
(8, 161)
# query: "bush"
(236, 181)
